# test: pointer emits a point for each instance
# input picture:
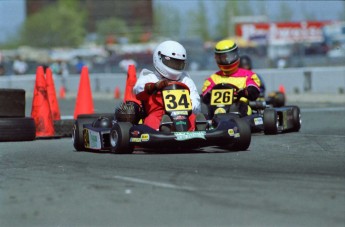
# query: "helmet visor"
(173, 63)
(226, 58)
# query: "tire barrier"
(17, 129)
(12, 103)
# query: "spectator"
(59, 67)
(19, 66)
(124, 63)
(79, 65)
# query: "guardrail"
(326, 80)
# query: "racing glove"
(251, 93)
(158, 86)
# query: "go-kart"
(122, 131)
(223, 102)
(274, 99)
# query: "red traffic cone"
(282, 89)
(117, 93)
(131, 80)
(62, 92)
(40, 111)
(84, 102)
(53, 103)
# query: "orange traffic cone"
(40, 111)
(84, 103)
(53, 103)
(117, 93)
(282, 89)
(131, 80)
(62, 92)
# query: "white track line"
(154, 183)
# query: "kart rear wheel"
(270, 122)
(279, 99)
(297, 120)
(119, 138)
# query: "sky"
(12, 12)
(323, 10)
(12, 15)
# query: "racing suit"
(153, 103)
(242, 79)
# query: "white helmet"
(169, 59)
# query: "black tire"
(77, 132)
(119, 138)
(297, 119)
(243, 142)
(12, 103)
(270, 122)
(95, 116)
(279, 99)
(17, 129)
(64, 128)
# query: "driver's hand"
(242, 93)
(150, 88)
(161, 84)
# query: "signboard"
(282, 32)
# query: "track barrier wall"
(323, 80)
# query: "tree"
(263, 8)
(225, 25)
(111, 27)
(199, 26)
(167, 21)
(285, 12)
(342, 14)
(61, 24)
(245, 8)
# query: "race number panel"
(177, 100)
(221, 97)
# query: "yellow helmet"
(227, 57)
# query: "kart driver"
(169, 60)
(246, 63)
(247, 82)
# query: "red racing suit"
(153, 104)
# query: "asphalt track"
(294, 179)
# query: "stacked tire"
(14, 126)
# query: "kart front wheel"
(243, 142)
(270, 122)
(297, 120)
(77, 135)
(119, 138)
